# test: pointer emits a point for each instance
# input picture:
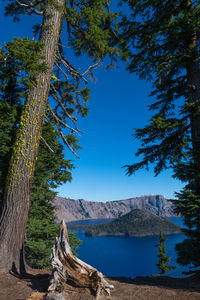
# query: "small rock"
(52, 296)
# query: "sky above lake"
(118, 104)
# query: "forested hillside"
(138, 222)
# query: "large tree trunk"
(67, 268)
(193, 78)
(194, 81)
(17, 190)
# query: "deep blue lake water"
(127, 256)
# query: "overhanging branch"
(64, 109)
(30, 7)
(58, 120)
(58, 123)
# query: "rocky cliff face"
(72, 210)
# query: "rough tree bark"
(17, 190)
(193, 74)
(67, 268)
(193, 77)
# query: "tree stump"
(67, 268)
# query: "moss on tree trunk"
(17, 191)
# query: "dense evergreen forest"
(51, 170)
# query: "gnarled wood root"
(67, 268)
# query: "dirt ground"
(140, 288)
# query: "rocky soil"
(33, 287)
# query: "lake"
(126, 256)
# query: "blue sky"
(118, 104)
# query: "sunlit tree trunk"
(17, 190)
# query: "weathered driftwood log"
(67, 268)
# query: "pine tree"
(163, 259)
(163, 41)
(89, 24)
(10, 110)
(188, 205)
(51, 170)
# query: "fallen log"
(67, 268)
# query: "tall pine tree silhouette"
(163, 259)
(49, 71)
(163, 41)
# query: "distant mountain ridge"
(72, 210)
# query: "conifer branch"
(109, 13)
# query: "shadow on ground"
(140, 288)
(190, 283)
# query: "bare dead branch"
(60, 44)
(47, 144)
(64, 61)
(61, 133)
(72, 70)
(66, 142)
(64, 109)
(59, 121)
(30, 8)
(91, 67)
(36, 32)
(57, 65)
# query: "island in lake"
(138, 222)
